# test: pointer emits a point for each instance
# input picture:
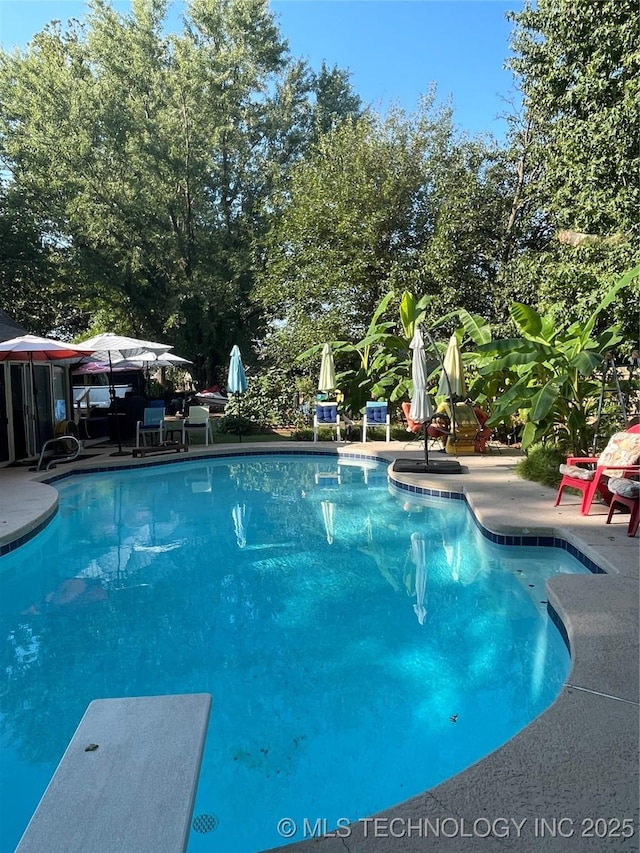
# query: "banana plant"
(547, 374)
(383, 357)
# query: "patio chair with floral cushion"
(620, 458)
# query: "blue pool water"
(361, 645)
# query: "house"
(31, 403)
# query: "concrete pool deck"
(569, 780)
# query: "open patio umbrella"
(149, 360)
(91, 368)
(33, 348)
(108, 347)
(327, 380)
(237, 380)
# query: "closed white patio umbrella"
(421, 410)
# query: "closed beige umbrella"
(452, 382)
(327, 380)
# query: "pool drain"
(205, 823)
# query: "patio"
(575, 764)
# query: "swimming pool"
(361, 645)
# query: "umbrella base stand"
(120, 453)
(422, 466)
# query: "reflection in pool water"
(360, 645)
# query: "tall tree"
(578, 66)
(149, 160)
(354, 221)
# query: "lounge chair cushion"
(623, 449)
(576, 472)
(624, 487)
(327, 413)
(376, 413)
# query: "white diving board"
(127, 781)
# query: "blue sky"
(394, 49)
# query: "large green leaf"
(505, 345)
(512, 360)
(526, 318)
(476, 327)
(585, 362)
(382, 307)
(530, 434)
(408, 313)
(622, 282)
(520, 393)
(544, 401)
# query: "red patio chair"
(621, 457)
(484, 433)
(412, 426)
(625, 493)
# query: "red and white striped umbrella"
(34, 348)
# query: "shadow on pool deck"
(576, 766)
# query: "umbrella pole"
(116, 413)
(35, 417)
(426, 444)
(239, 427)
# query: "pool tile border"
(8, 547)
(507, 539)
(497, 538)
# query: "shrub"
(234, 424)
(271, 400)
(304, 434)
(541, 464)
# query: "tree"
(473, 200)
(149, 160)
(355, 220)
(27, 259)
(578, 67)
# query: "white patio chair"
(198, 423)
(152, 425)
